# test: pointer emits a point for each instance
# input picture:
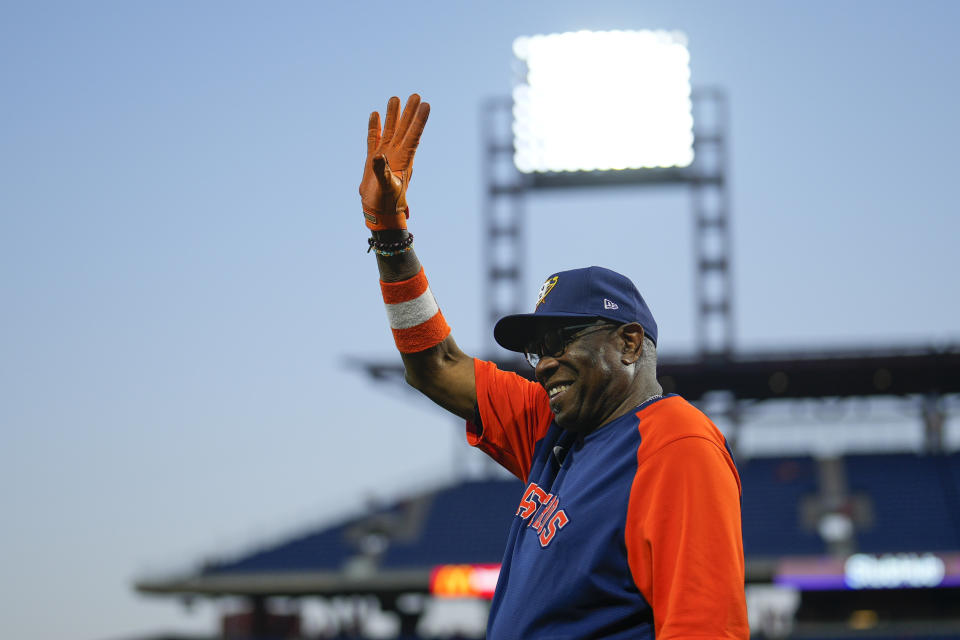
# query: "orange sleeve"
(514, 415)
(684, 541)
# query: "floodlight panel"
(602, 100)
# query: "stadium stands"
(466, 523)
(895, 502)
(773, 491)
(322, 550)
(913, 500)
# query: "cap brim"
(515, 332)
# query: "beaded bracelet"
(390, 248)
(387, 254)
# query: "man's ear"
(632, 337)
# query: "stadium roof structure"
(773, 375)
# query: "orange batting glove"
(389, 165)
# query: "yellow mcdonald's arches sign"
(464, 580)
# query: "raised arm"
(434, 363)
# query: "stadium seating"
(914, 502)
(324, 550)
(467, 523)
(773, 491)
(913, 499)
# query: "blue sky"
(182, 255)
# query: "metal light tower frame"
(729, 379)
(504, 216)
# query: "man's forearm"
(401, 266)
(441, 371)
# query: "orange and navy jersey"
(630, 531)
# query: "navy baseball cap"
(591, 292)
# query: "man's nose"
(545, 368)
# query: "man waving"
(629, 523)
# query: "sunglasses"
(555, 341)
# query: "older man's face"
(587, 383)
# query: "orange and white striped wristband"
(414, 315)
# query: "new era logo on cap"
(610, 304)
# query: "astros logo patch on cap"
(545, 288)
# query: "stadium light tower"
(603, 108)
(583, 103)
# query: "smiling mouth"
(556, 390)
